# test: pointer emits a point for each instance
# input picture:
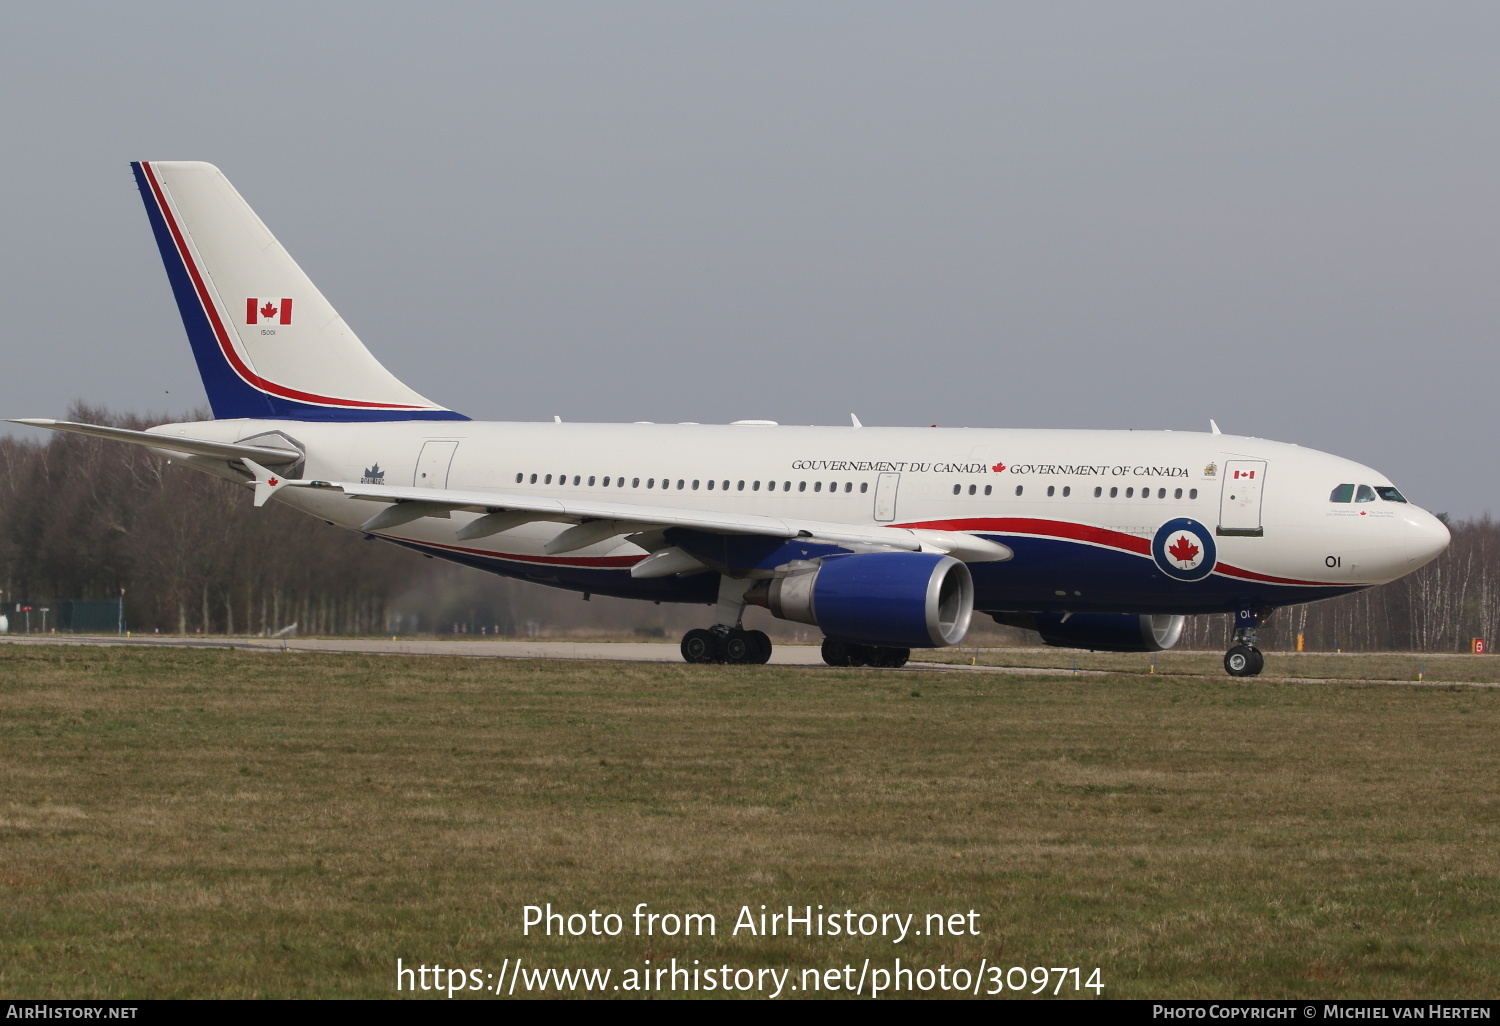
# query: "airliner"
(886, 539)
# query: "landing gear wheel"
(741, 647)
(836, 653)
(762, 646)
(1244, 661)
(700, 646)
(892, 658)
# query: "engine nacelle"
(895, 599)
(1101, 632)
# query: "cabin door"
(885, 496)
(1239, 502)
(433, 464)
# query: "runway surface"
(631, 652)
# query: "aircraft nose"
(1426, 538)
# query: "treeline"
(81, 518)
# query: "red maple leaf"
(268, 310)
(1183, 550)
(272, 482)
(998, 468)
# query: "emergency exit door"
(1239, 502)
(885, 496)
(433, 464)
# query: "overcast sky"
(1279, 215)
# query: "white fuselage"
(1078, 507)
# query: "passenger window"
(1365, 494)
(726, 486)
(817, 486)
(1113, 492)
(1130, 493)
(1343, 493)
(801, 486)
(533, 479)
(635, 482)
(519, 477)
(650, 482)
(741, 487)
(1177, 494)
(1098, 492)
(1018, 489)
(987, 489)
(547, 479)
(577, 478)
(681, 484)
(710, 485)
(973, 489)
(1067, 491)
(786, 486)
(957, 489)
(770, 486)
(1193, 493)
(1161, 493)
(1389, 494)
(864, 486)
(1051, 489)
(591, 481)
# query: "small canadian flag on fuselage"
(270, 311)
(1237, 474)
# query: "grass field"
(1396, 666)
(218, 823)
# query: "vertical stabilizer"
(268, 344)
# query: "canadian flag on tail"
(270, 311)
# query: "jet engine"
(892, 599)
(1100, 632)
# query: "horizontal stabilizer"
(268, 455)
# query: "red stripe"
(252, 315)
(1094, 536)
(245, 373)
(1044, 528)
(286, 311)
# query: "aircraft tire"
(836, 653)
(741, 647)
(896, 658)
(700, 646)
(1243, 661)
(763, 646)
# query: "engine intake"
(895, 599)
(1101, 632)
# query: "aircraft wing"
(597, 521)
(265, 454)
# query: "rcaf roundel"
(1184, 549)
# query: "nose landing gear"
(1244, 659)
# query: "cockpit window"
(1343, 493)
(1389, 494)
(1365, 494)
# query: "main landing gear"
(847, 653)
(722, 644)
(1244, 659)
(726, 641)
